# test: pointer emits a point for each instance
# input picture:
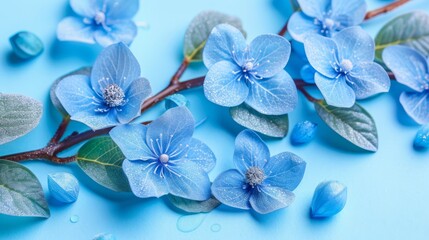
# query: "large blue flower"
(248, 73)
(411, 69)
(345, 67)
(163, 157)
(102, 21)
(260, 182)
(325, 17)
(112, 95)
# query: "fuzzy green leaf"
(101, 159)
(354, 124)
(20, 192)
(411, 29)
(54, 99)
(18, 116)
(199, 30)
(273, 126)
(192, 206)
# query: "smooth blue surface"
(387, 190)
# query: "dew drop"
(215, 227)
(74, 219)
(189, 223)
(104, 236)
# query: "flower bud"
(303, 132)
(175, 100)
(63, 186)
(329, 199)
(26, 45)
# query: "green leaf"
(192, 206)
(411, 29)
(295, 5)
(354, 124)
(101, 159)
(199, 30)
(273, 126)
(18, 116)
(20, 192)
(54, 99)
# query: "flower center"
(114, 96)
(254, 176)
(164, 158)
(328, 23)
(99, 18)
(248, 67)
(346, 65)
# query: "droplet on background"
(74, 219)
(215, 227)
(189, 223)
(104, 236)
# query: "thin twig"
(183, 66)
(60, 131)
(385, 9)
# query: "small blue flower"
(325, 17)
(345, 67)
(411, 69)
(260, 182)
(421, 141)
(248, 73)
(303, 132)
(113, 93)
(163, 157)
(329, 199)
(102, 21)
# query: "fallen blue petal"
(26, 45)
(329, 199)
(175, 100)
(421, 141)
(303, 132)
(63, 187)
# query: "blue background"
(387, 190)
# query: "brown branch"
(60, 131)
(385, 9)
(283, 31)
(300, 85)
(183, 66)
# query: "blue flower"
(248, 73)
(163, 157)
(325, 17)
(102, 21)
(113, 93)
(345, 67)
(411, 69)
(329, 199)
(260, 182)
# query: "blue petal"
(335, 91)
(121, 9)
(273, 96)
(188, 180)
(354, 11)
(120, 31)
(269, 199)
(172, 131)
(300, 24)
(409, 66)
(86, 8)
(225, 85)
(355, 45)
(115, 65)
(307, 73)
(73, 29)
(80, 101)
(228, 189)
(421, 141)
(329, 199)
(416, 105)
(130, 139)
(250, 151)
(201, 154)
(368, 79)
(143, 181)
(315, 8)
(136, 93)
(321, 53)
(284, 170)
(270, 53)
(225, 43)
